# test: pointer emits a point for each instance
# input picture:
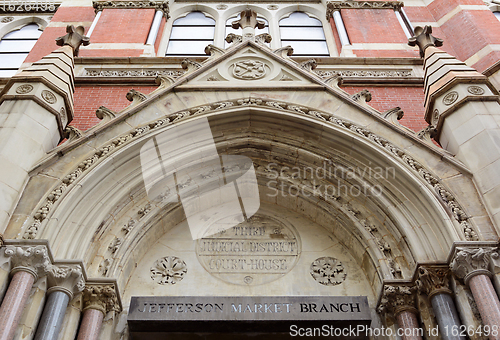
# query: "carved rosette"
(469, 262)
(32, 259)
(168, 270)
(434, 280)
(101, 297)
(328, 271)
(397, 299)
(66, 278)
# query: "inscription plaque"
(244, 314)
(254, 252)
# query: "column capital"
(434, 280)
(396, 298)
(469, 262)
(32, 259)
(101, 296)
(66, 278)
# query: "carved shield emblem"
(249, 69)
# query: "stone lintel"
(134, 4)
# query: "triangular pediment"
(250, 64)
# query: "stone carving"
(475, 90)
(72, 133)
(25, 88)
(221, 7)
(469, 262)
(49, 97)
(433, 280)
(20, 6)
(450, 98)
(213, 78)
(105, 114)
(233, 38)
(66, 278)
(272, 7)
(214, 51)
(248, 18)
(32, 259)
(101, 297)
(396, 299)
(164, 81)
(132, 73)
(308, 65)
(426, 134)
(74, 38)
(157, 5)
(328, 271)
(262, 248)
(6, 20)
(129, 226)
(190, 65)
(284, 77)
(144, 210)
(432, 180)
(263, 38)
(284, 52)
(393, 114)
(135, 96)
(435, 117)
(333, 6)
(115, 245)
(104, 267)
(424, 39)
(249, 69)
(168, 270)
(362, 97)
(363, 73)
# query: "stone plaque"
(244, 314)
(258, 251)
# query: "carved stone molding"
(32, 259)
(434, 280)
(249, 69)
(364, 73)
(135, 96)
(397, 298)
(333, 6)
(469, 262)
(102, 297)
(134, 4)
(131, 73)
(105, 114)
(328, 271)
(66, 278)
(362, 97)
(190, 65)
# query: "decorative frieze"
(333, 6)
(32, 259)
(433, 280)
(469, 262)
(102, 297)
(133, 4)
(66, 278)
(364, 73)
(397, 298)
(132, 73)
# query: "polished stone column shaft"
(487, 303)
(407, 321)
(14, 302)
(447, 316)
(91, 324)
(52, 316)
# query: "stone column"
(64, 281)
(28, 264)
(399, 300)
(471, 265)
(98, 299)
(434, 281)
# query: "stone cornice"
(332, 6)
(134, 4)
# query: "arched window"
(497, 14)
(304, 34)
(190, 35)
(230, 29)
(15, 46)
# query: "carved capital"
(434, 280)
(424, 39)
(248, 18)
(32, 259)
(102, 297)
(65, 278)
(397, 298)
(74, 38)
(469, 262)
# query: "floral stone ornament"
(168, 270)
(328, 271)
